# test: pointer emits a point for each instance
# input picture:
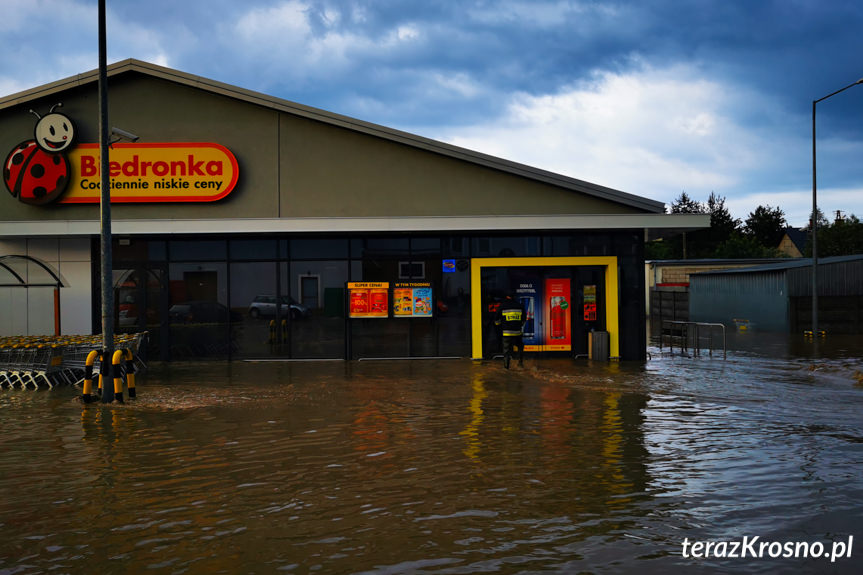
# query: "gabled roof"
(257, 98)
(797, 237)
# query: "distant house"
(793, 243)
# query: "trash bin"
(597, 346)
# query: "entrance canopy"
(27, 271)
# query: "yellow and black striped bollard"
(86, 393)
(130, 373)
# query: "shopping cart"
(35, 361)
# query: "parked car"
(265, 306)
(201, 312)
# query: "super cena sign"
(51, 168)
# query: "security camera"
(123, 134)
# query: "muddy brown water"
(442, 466)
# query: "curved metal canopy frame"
(10, 277)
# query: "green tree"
(766, 225)
(843, 237)
(722, 226)
(741, 245)
(700, 243)
(704, 243)
(686, 205)
(683, 246)
(823, 222)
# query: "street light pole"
(105, 218)
(815, 215)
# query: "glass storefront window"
(455, 247)
(317, 292)
(579, 244)
(138, 305)
(380, 248)
(198, 250)
(253, 249)
(137, 249)
(199, 316)
(157, 250)
(425, 246)
(315, 249)
(216, 298)
(506, 246)
(252, 304)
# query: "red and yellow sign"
(369, 299)
(153, 172)
(558, 315)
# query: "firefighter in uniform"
(511, 317)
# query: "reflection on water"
(438, 466)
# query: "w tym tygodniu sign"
(153, 172)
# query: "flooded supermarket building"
(247, 226)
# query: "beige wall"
(680, 274)
(787, 247)
(332, 171)
(290, 166)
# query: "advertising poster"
(368, 299)
(422, 302)
(412, 300)
(556, 300)
(530, 296)
(403, 301)
(589, 303)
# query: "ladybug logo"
(37, 171)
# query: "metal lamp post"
(105, 218)
(815, 215)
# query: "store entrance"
(562, 306)
(564, 300)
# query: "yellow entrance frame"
(612, 302)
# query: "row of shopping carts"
(37, 361)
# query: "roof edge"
(379, 224)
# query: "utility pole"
(105, 219)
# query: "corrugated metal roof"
(716, 261)
(786, 265)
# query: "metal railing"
(688, 335)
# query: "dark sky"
(650, 97)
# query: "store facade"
(246, 226)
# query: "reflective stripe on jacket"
(510, 317)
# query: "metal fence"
(690, 335)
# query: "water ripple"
(451, 467)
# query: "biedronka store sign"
(167, 172)
(50, 168)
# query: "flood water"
(442, 466)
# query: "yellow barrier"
(86, 394)
(116, 361)
(130, 373)
(123, 363)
